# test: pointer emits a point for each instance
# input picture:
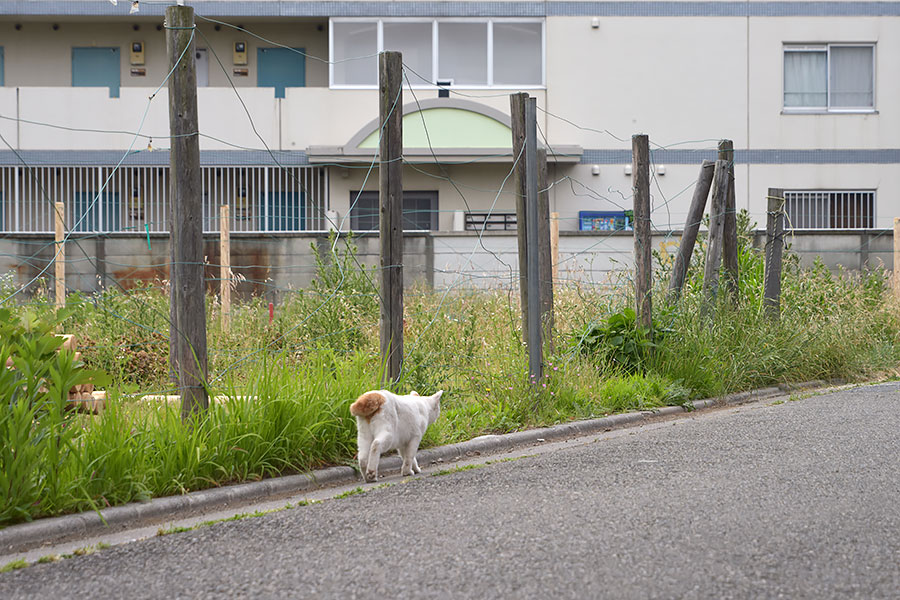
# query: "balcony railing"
(102, 199)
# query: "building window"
(467, 52)
(97, 67)
(831, 77)
(829, 209)
(420, 211)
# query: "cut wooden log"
(70, 342)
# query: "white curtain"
(805, 79)
(852, 77)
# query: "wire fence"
(104, 200)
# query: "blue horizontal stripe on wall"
(294, 8)
(753, 157)
(227, 158)
(212, 158)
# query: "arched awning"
(440, 129)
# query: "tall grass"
(288, 385)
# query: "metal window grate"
(134, 198)
(830, 209)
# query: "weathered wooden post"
(188, 285)
(390, 195)
(535, 347)
(897, 257)
(60, 260)
(545, 255)
(640, 151)
(716, 227)
(517, 124)
(554, 246)
(774, 249)
(691, 228)
(225, 266)
(729, 229)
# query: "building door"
(280, 68)
(97, 67)
(202, 67)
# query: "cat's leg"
(408, 453)
(362, 446)
(374, 456)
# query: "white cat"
(386, 421)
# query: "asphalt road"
(798, 500)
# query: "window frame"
(434, 49)
(824, 213)
(826, 47)
(433, 197)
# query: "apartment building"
(288, 106)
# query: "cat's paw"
(371, 476)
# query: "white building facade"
(808, 92)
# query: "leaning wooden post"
(729, 229)
(716, 227)
(897, 258)
(225, 266)
(189, 289)
(774, 249)
(691, 228)
(60, 260)
(545, 255)
(640, 150)
(535, 345)
(554, 246)
(390, 194)
(517, 124)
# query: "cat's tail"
(367, 405)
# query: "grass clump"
(288, 385)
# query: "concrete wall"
(273, 265)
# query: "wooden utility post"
(640, 150)
(186, 237)
(897, 257)
(60, 260)
(729, 229)
(535, 347)
(716, 227)
(545, 256)
(225, 266)
(390, 195)
(517, 124)
(774, 249)
(691, 228)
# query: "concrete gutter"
(26, 536)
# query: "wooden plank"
(60, 260)
(225, 264)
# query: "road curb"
(26, 536)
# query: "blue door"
(86, 207)
(96, 67)
(280, 68)
(286, 212)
